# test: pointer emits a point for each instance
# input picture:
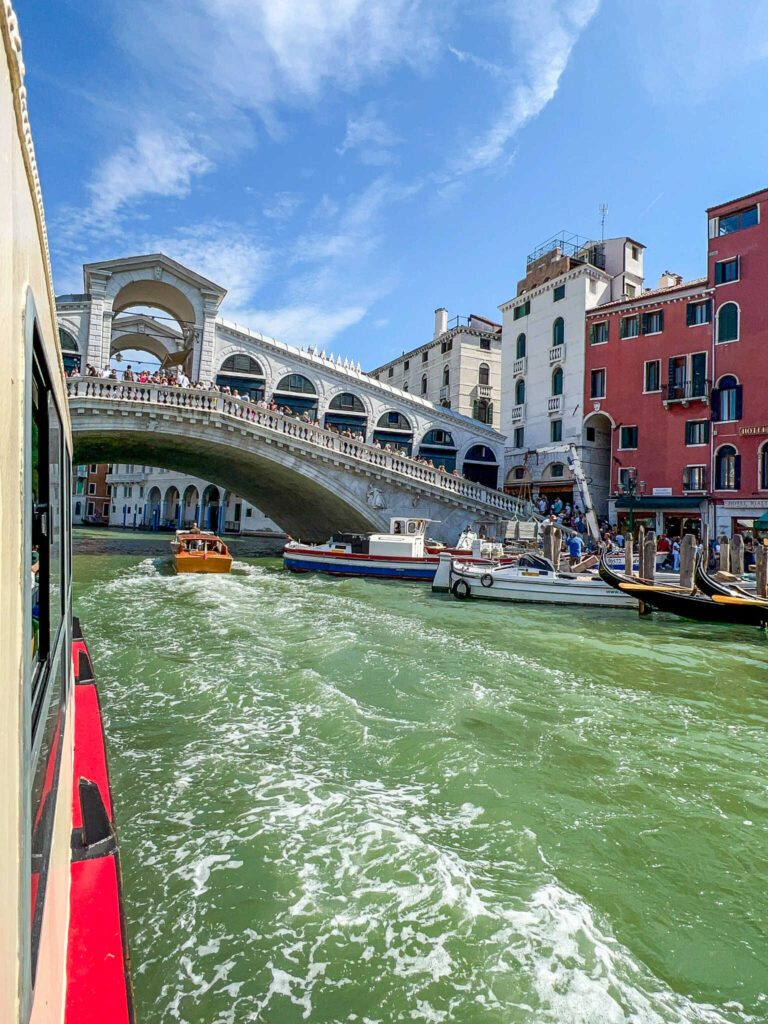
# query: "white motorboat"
(531, 579)
(403, 553)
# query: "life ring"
(486, 579)
(461, 589)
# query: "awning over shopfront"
(762, 522)
(656, 503)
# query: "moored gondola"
(688, 604)
(712, 587)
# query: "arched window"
(241, 363)
(558, 331)
(346, 412)
(446, 376)
(727, 469)
(728, 322)
(520, 347)
(243, 374)
(484, 374)
(70, 352)
(481, 465)
(727, 400)
(296, 394)
(394, 429)
(347, 402)
(520, 392)
(405, 386)
(557, 382)
(438, 447)
(762, 469)
(424, 385)
(296, 384)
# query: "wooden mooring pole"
(725, 561)
(761, 569)
(687, 560)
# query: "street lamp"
(632, 488)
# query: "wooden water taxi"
(199, 551)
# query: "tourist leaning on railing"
(244, 407)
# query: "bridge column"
(100, 316)
(203, 357)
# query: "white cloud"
(370, 136)
(544, 35)
(261, 55)
(223, 253)
(282, 206)
(154, 163)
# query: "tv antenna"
(603, 210)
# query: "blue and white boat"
(403, 553)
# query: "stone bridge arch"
(153, 280)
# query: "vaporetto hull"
(342, 564)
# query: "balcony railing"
(445, 391)
(555, 404)
(518, 413)
(483, 390)
(556, 353)
(519, 365)
(687, 391)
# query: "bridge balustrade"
(198, 399)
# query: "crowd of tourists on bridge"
(160, 378)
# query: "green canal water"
(355, 801)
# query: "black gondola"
(726, 608)
(708, 585)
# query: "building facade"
(542, 353)
(91, 493)
(142, 496)
(459, 369)
(675, 403)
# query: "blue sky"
(343, 167)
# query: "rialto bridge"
(309, 479)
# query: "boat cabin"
(201, 542)
(404, 540)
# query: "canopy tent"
(762, 522)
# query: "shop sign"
(661, 491)
(751, 431)
(740, 503)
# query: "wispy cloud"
(370, 137)
(282, 206)
(154, 163)
(305, 324)
(544, 35)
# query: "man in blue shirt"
(575, 547)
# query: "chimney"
(441, 321)
(669, 280)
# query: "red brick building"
(676, 387)
(91, 493)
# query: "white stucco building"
(146, 496)
(542, 353)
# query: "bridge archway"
(70, 352)
(347, 412)
(481, 466)
(153, 509)
(190, 510)
(596, 452)
(298, 393)
(172, 506)
(213, 500)
(394, 429)
(438, 447)
(244, 374)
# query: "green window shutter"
(644, 327)
(591, 334)
(661, 319)
(607, 330)
(708, 314)
(623, 327)
(718, 273)
(475, 409)
(490, 413)
(690, 314)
